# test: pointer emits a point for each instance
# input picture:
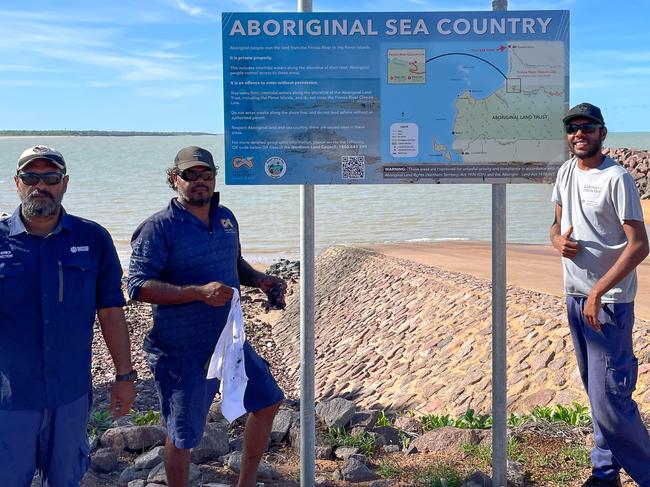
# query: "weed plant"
(99, 422)
(364, 441)
(148, 417)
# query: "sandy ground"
(535, 267)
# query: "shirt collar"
(17, 226)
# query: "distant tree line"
(90, 133)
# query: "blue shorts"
(186, 395)
(52, 442)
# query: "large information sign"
(330, 98)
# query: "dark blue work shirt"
(175, 247)
(50, 288)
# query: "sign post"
(393, 98)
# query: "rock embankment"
(637, 163)
(395, 334)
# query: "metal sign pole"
(307, 329)
(499, 327)
(499, 339)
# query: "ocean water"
(119, 181)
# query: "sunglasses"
(585, 128)
(33, 178)
(190, 175)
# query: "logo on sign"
(238, 162)
(275, 167)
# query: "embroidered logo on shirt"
(6, 254)
(80, 248)
(226, 223)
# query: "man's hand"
(591, 310)
(274, 288)
(565, 245)
(122, 396)
(215, 294)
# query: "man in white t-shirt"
(599, 232)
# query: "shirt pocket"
(11, 278)
(76, 287)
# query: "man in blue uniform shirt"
(599, 232)
(56, 272)
(186, 261)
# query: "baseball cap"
(193, 156)
(585, 110)
(41, 152)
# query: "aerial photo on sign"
(326, 98)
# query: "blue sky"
(156, 64)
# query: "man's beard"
(591, 150)
(32, 206)
(189, 198)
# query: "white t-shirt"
(596, 202)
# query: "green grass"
(433, 421)
(364, 441)
(383, 420)
(439, 475)
(574, 415)
(99, 422)
(483, 453)
(144, 418)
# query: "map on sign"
(429, 97)
(489, 102)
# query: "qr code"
(353, 167)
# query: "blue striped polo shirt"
(175, 247)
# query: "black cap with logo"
(585, 110)
(193, 156)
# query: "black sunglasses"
(586, 128)
(33, 178)
(191, 175)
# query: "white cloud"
(189, 9)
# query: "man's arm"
(116, 336)
(248, 276)
(635, 251)
(272, 286)
(563, 243)
(158, 292)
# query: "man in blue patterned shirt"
(186, 261)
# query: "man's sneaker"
(596, 482)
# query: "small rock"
(390, 435)
(104, 460)
(355, 471)
(264, 470)
(335, 412)
(281, 424)
(150, 459)
(158, 475)
(515, 473)
(213, 444)
(130, 474)
(408, 423)
(477, 479)
(443, 439)
(137, 483)
(345, 452)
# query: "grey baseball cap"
(193, 156)
(585, 110)
(41, 152)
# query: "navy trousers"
(609, 372)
